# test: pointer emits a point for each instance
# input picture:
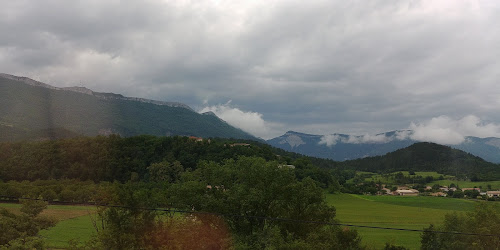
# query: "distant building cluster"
(443, 191)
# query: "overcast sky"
(320, 67)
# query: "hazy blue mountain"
(35, 110)
(341, 147)
(486, 148)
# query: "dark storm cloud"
(319, 67)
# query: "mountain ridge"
(32, 110)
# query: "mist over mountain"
(33, 110)
(342, 147)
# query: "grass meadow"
(448, 179)
(389, 178)
(394, 211)
(74, 223)
(78, 228)
(495, 185)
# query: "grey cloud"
(330, 66)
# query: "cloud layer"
(446, 130)
(319, 67)
(442, 130)
(251, 122)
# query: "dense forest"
(114, 158)
(231, 189)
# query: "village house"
(406, 192)
(493, 193)
(446, 189)
(477, 189)
(439, 194)
(194, 138)
(286, 166)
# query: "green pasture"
(448, 179)
(383, 211)
(389, 178)
(394, 211)
(449, 204)
(425, 174)
(495, 185)
(74, 223)
(79, 228)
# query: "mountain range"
(34, 110)
(342, 147)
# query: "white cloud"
(329, 140)
(441, 129)
(251, 122)
(446, 130)
(332, 140)
(403, 134)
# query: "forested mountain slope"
(425, 156)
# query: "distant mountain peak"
(290, 132)
(27, 80)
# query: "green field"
(79, 228)
(389, 178)
(495, 185)
(384, 211)
(394, 211)
(448, 179)
(74, 223)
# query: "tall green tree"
(250, 189)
